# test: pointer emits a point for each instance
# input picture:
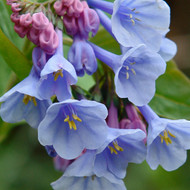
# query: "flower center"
(166, 137)
(28, 98)
(129, 15)
(57, 74)
(71, 122)
(115, 148)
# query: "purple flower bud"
(112, 119)
(15, 7)
(20, 30)
(33, 36)
(58, 7)
(40, 21)
(67, 3)
(88, 22)
(78, 8)
(82, 56)
(70, 25)
(136, 122)
(15, 17)
(9, 2)
(124, 124)
(48, 39)
(25, 20)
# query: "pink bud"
(33, 36)
(78, 7)
(9, 2)
(125, 124)
(49, 40)
(112, 119)
(15, 7)
(88, 22)
(15, 17)
(40, 21)
(67, 3)
(58, 7)
(70, 25)
(70, 11)
(20, 30)
(25, 20)
(85, 4)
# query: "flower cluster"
(37, 28)
(90, 144)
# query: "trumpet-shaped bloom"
(71, 126)
(57, 75)
(135, 72)
(82, 56)
(167, 140)
(80, 176)
(121, 147)
(24, 102)
(138, 21)
(86, 183)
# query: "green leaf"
(172, 98)
(13, 57)
(106, 41)
(7, 26)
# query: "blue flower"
(135, 72)
(121, 147)
(82, 56)
(167, 140)
(71, 125)
(80, 176)
(137, 22)
(57, 75)
(168, 49)
(86, 183)
(24, 102)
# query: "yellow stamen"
(112, 150)
(133, 71)
(71, 123)
(166, 138)
(66, 119)
(28, 98)
(127, 75)
(115, 148)
(75, 117)
(171, 134)
(34, 101)
(57, 74)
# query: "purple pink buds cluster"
(36, 27)
(78, 18)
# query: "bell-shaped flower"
(167, 140)
(57, 75)
(122, 146)
(135, 72)
(168, 49)
(24, 102)
(87, 183)
(80, 176)
(137, 22)
(82, 56)
(71, 126)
